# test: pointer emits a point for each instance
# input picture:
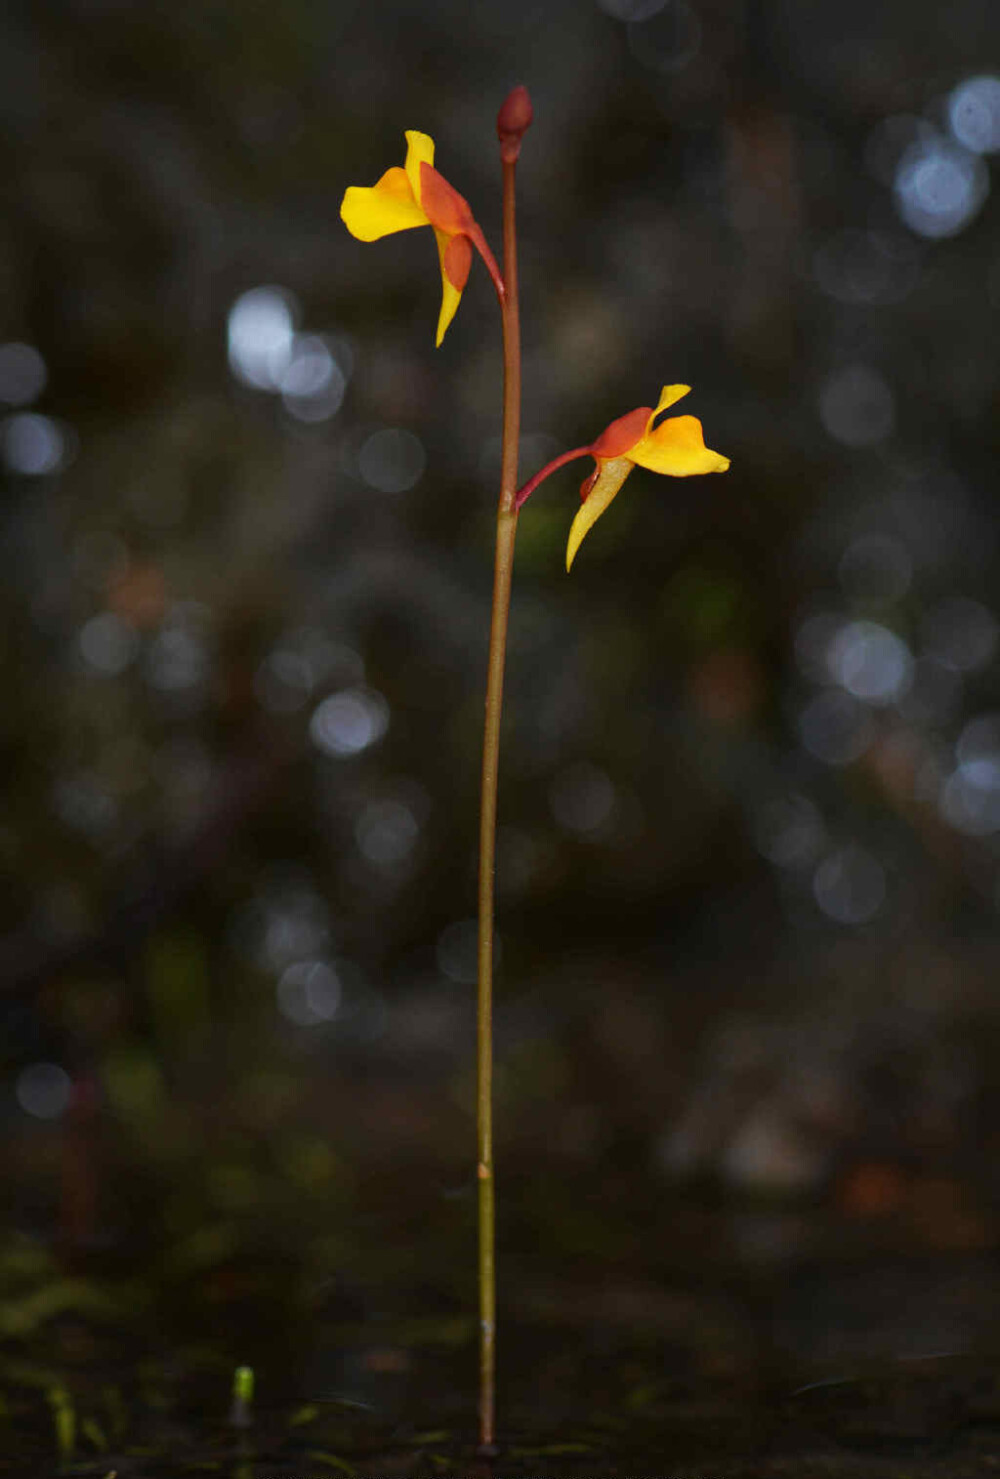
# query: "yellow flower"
(675, 447)
(417, 195)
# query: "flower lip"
(384, 208)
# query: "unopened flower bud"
(513, 122)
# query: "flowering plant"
(417, 195)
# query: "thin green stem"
(503, 568)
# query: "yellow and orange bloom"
(674, 446)
(416, 195)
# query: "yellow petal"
(669, 395)
(389, 206)
(611, 474)
(419, 150)
(677, 447)
(450, 295)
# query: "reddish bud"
(513, 122)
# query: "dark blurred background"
(750, 799)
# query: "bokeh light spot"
(871, 662)
(974, 114)
(970, 797)
(666, 40)
(287, 921)
(835, 727)
(849, 886)
(386, 832)
(283, 682)
(309, 992)
(889, 141)
(23, 374)
(43, 1090)
(177, 660)
(392, 460)
(960, 633)
(261, 335)
(856, 406)
(312, 384)
(348, 722)
(302, 660)
(582, 797)
(939, 187)
(33, 445)
(789, 831)
(108, 644)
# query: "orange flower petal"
(445, 208)
(616, 439)
(457, 260)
